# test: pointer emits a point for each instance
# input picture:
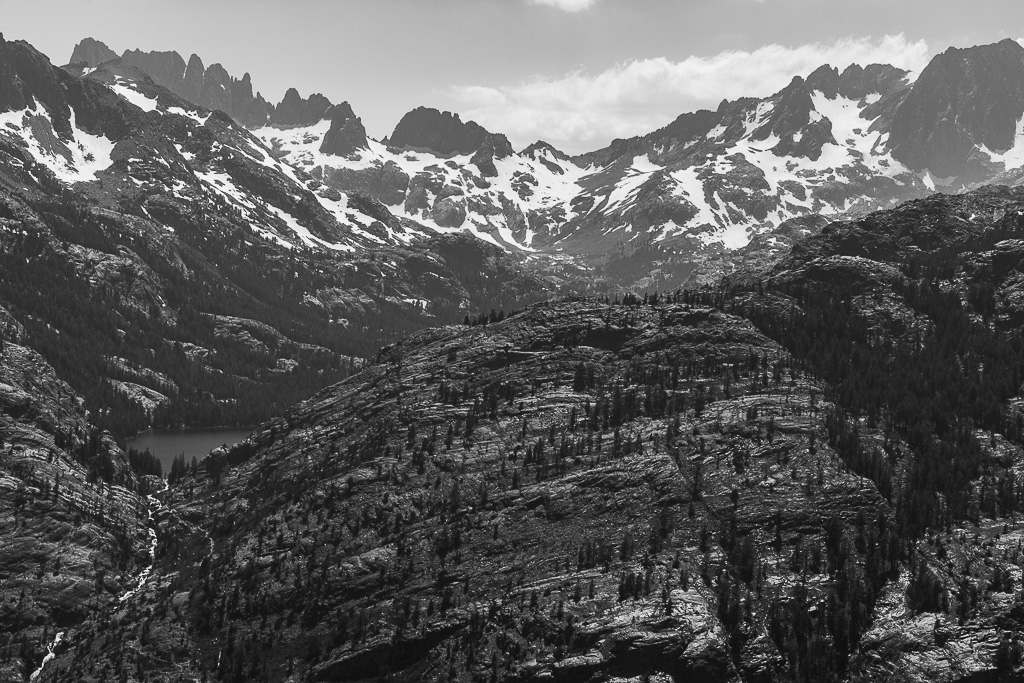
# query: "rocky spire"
(346, 134)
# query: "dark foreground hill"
(809, 475)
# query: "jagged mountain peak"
(27, 80)
(196, 62)
(91, 52)
(494, 146)
(346, 135)
(543, 148)
(294, 110)
(166, 68)
(966, 99)
(824, 78)
(343, 110)
(211, 87)
(441, 132)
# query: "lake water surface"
(166, 444)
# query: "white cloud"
(567, 5)
(581, 111)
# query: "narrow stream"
(49, 655)
(140, 581)
(143, 577)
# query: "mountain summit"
(441, 132)
(964, 110)
(91, 52)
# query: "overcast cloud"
(566, 5)
(575, 110)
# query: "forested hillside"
(811, 473)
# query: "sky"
(576, 73)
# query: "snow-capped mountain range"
(833, 144)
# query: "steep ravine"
(64, 640)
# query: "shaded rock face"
(346, 134)
(449, 212)
(166, 68)
(26, 75)
(493, 147)
(91, 52)
(963, 98)
(792, 113)
(444, 133)
(387, 183)
(295, 111)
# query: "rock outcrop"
(442, 132)
(346, 134)
(493, 147)
(293, 110)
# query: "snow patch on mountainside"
(639, 172)
(1013, 157)
(689, 186)
(133, 96)
(91, 153)
(542, 183)
(307, 237)
(195, 116)
(73, 161)
(720, 188)
(724, 186)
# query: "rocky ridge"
(209, 87)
